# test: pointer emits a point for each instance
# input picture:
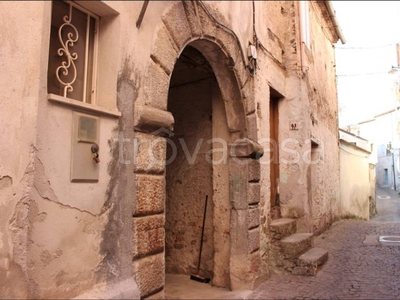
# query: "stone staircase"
(294, 252)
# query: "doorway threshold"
(182, 287)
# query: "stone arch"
(182, 24)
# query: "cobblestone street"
(358, 267)
(355, 269)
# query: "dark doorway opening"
(274, 154)
(189, 175)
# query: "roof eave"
(335, 22)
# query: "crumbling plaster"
(46, 214)
(321, 85)
(18, 133)
(38, 198)
(308, 94)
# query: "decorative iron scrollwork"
(66, 66)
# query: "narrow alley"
(199, 149)
(359, 267)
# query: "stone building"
(120, 118)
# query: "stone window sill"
(83, 106)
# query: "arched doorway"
(197, 177)
(226, 111)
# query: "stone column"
(244, 178)
(149, 204)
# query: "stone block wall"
(190, 180)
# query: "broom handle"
(202, 233)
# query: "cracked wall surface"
(58, 238)
(61, 239)
(323, 115)
(18, 134)
(63, 248)
(309, 193)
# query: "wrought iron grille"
(73, 49)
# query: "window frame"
(87, 72)
(108, 37)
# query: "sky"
(371, 29)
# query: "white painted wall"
(355, 187)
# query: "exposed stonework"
(253, 240)
(156, 91)
(296, 244)
(150, 155)
(164, 53)
(150, 195)
(149, 235)
(254, 217)
(149, 275)
(178, 27)
(253, 193)
(190, 178)
(60, 238)
(309, 262)
(281, 228)
(246, 148)
(150, 119)
(292, 252)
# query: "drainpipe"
(394, 172)
(303, 21)
(303, 35)
(332, 15)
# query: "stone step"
(275, 212)
(296, 244)
(281, 228)
(309, 262)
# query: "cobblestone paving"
(353, 270)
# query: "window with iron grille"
(73, 52)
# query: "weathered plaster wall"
(58, 235)
(284, 76)
(236, 15)
(272, 72)
(19, 62)
(322, 119)
(189, 180)
(43, 213)
(308, 100)
(72, 224)
(355, 187)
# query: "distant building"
(357, 176)
(384, 132)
